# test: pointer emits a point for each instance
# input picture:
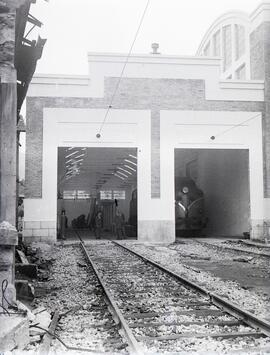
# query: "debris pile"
(32, 264)
(73, 290)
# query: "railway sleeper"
(203, 312)
(168, 324)
(109, 269)
(170, 303)
(202, 335)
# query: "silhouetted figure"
(98, 225)
(120, 225)
(63, 225)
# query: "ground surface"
(240, 277)
(73, 290)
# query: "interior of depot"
(97, 192)
(212, 193)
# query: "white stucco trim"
(178, 129)
(267, 209)
(193, 129)
(224, 19)
(250, 22)
(242, 84)
(102, 65)
(105, 65)
(78, 127)
(259, 15)
(60, 86)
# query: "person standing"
(20, 215)
(123, 225)
(98, 225)
(63, 225)
(120, 225)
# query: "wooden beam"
(8, 146)
(44, 348)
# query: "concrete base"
(39, 231)
(153, 231)
(14, 333)
(156, 231)
(47, 240)
(7, 263)
(259, 230)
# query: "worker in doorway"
(63, 224)
(20, 215)
(98, 225)
(120, 224)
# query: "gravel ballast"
(74, 290)
(174, 257)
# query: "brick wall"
(155, 154)
(257, 54)
(267, 106)
(260, 69)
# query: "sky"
(75, 27)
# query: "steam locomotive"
(189, 207)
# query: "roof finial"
(155, 47)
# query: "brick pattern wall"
(133, 93)
(266, 39)
(257, 54)
(155, 154)
(260, 69)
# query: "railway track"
(159, 311)
(243, 247)
(82, 322)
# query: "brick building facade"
(174, 104)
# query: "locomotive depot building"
(205, 117)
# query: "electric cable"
(5, 310)
(234, 126)
(123, 69)
(3, 289)
(4, 299)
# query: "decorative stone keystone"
(8, 240)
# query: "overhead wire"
(234, 126)
(123, 69)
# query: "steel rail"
(133, 343)
(250, 252)
(245, 316)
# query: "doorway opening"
(212, 192)
(97, 193)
